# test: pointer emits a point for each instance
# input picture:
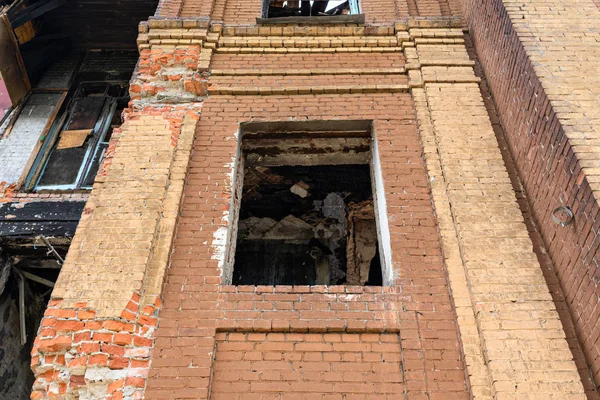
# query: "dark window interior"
(318, 8)
(307, 225)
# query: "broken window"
(79, 138)
(307, 214)
(317, 8)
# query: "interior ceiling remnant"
(294, 226)
(40, 33)
(322, 149)
(100, 24)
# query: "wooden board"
(42, 211)
(11, 65)
(73, 138)
(35, 228)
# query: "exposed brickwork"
(168, 8)
(11, 194)
(538, 244)
(484, 236)
(193, 283)
(307, 366)
(541, 82)
(169, 72)
(116, 236)
(334, 62)
(164, 199)
(78, 354)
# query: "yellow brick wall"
(512, 336)
(124, 235)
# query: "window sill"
(358, 19)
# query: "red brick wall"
(307, 366)
(417, 307)
(548, 167)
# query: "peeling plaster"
(388, 272)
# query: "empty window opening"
(317, 8)
(306, 211)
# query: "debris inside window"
(306, 212)
(317, 8)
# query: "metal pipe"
(52, 250)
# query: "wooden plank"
(40, 143)
(72, 138)
(12, 68)
(86, 112)
(36, 10)
(34, 228)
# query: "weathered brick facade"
(548, 107)
(143, 307)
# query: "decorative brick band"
(309, 42)
(308, 72)
(284, 50)
(308, 90)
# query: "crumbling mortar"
(106, 367)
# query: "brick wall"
(197, 305)
(337, 61)
(307, 366)
(538, 243)
(246, 11)
(544, 101)
(98, 330)
(78, 353)
(460, 252)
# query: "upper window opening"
(307, 214)
(81, 136)
(298, 10)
